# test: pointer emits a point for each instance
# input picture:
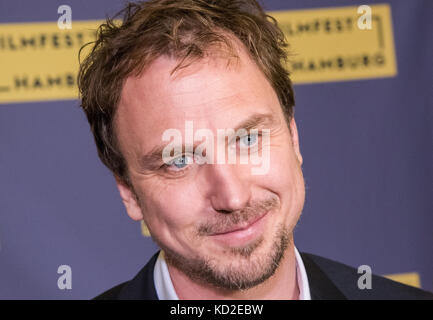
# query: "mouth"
(242, 234)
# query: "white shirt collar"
(161, 278)
(301, 275)
(165, 290)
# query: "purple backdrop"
(368, 164)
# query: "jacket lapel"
(321, 287)
(142, 287)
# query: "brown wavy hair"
(185, 29)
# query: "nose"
(229, 188)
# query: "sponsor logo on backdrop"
(334, 44)
(39, 61)
(410, 278)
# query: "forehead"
(214, 93)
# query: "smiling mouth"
(242, 227)
(242, 234)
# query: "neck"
(282, 285)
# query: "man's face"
(216, 222)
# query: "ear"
(129, 200)
(295, 140)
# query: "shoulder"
(111, 294)
(141, 287)
(345, 278)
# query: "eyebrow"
(255, 121)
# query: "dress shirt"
(165, 290)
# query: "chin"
(249, 265)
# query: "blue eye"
(180, 162)
(249, 139)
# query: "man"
(192, 110)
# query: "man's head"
(217, 65)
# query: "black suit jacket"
(328, 280)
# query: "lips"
(242, 234)
(241, 227)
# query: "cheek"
(169, 211)
(286, 179)
(284, 169)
